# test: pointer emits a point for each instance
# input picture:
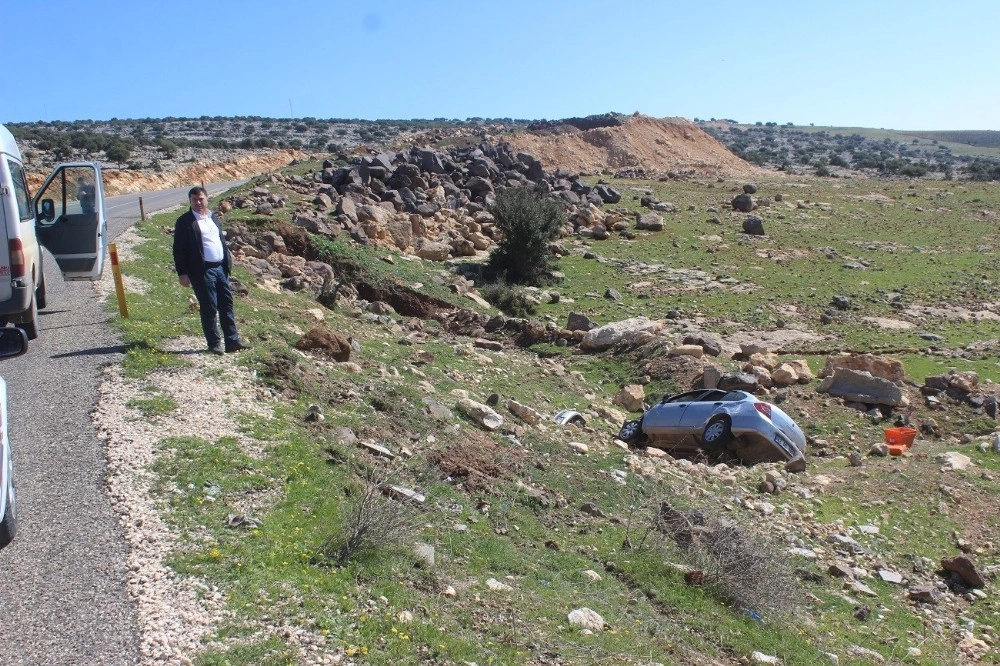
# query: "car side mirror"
(13, 342)
(48, 212)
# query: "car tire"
(8, 526)
(31, 326)
(40, 294)
(716, 434)
(631, 432)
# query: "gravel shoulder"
(176, 615)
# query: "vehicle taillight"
(763, 408)
(17, 264)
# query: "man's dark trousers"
(215, 298)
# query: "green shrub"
(509, 299)
(527, 221)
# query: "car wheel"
(631, 432)
(31, 326)
(8, 526)
(717, 434)
(40, 294)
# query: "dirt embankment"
(656, 145)
(124, 181)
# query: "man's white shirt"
(211, 242)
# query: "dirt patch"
(658, 146)
(407, 302)
(298, 241)
(477, 462)
(324, 341)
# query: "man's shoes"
(238, 346)
(217, 349)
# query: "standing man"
(202, 261)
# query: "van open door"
(70, 220)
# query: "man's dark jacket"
(188, 259)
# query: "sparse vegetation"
(509, 504)
(372, 521)
(511, 300)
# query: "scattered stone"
(498, 586)
(587, 619)
(240, 520)
(630, 397)
(924, 593)
(404, 494)
(865, 653)
(890, 576)
(377, 449)
(314, 414)
(953, 460)
(480, 413)
(841, 571)
(523, 412)
(964, 567)
(425, 554)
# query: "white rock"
(586, 618)
(761, 658)
(953, 460)
(498, 586)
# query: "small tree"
(118, 152)
(527, 221)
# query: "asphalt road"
(63, 597)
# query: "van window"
(24, 210)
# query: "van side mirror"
(13, 342)
(48, 212)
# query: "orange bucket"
(899, 439)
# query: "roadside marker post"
(142, 210)
(119, 286)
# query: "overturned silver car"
(713, 421)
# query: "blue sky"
(918, 65)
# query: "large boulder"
(861, 386)
(743, 203)
(323, 340)
(877, 366)
(604, 337)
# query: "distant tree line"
(791, 149)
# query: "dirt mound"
(656, 145)
(230, 167)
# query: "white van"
(66, 216)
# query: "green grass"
(153, 406)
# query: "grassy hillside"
(530, 522)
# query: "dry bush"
(732, 562)
(373, 521)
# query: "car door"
(698, 412)
(70, 220)
(663, 420)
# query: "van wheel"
(8, 526)
(40, 294)
(31, 326)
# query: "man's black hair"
(197, 189)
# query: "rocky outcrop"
(863, 387)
